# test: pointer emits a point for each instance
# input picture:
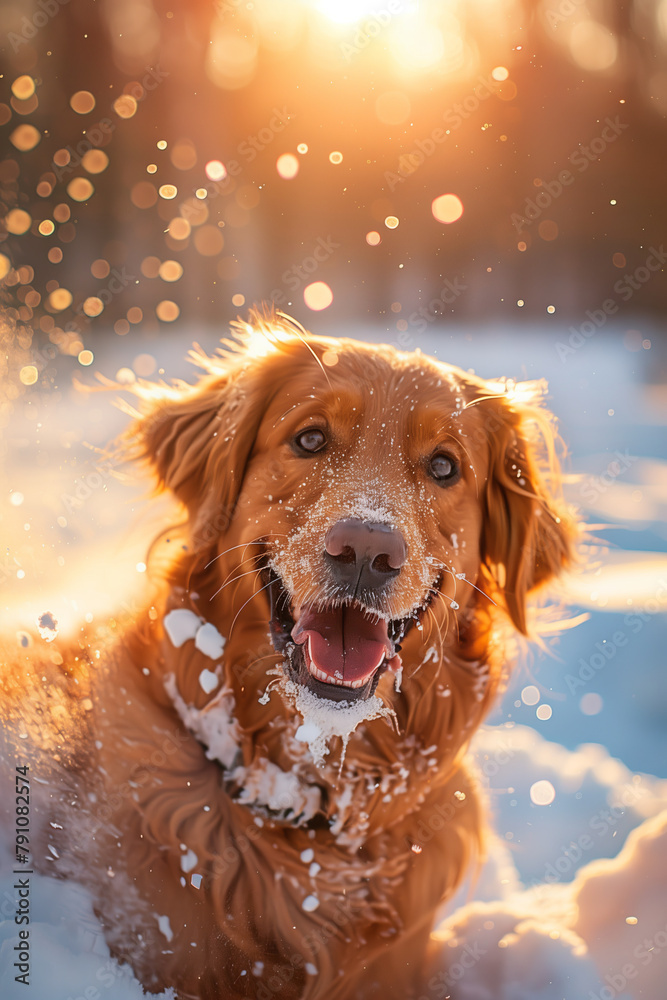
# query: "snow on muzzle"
(344, 646)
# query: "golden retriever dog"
(261, 778)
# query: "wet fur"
(130, 785)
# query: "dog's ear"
(198, 440)
(528, 536)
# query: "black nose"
(364, 555)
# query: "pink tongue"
(345, 643)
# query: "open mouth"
(337, 652)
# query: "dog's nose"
(365, 554)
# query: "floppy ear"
(529, 534)
(198, 439)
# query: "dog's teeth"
(321, 675)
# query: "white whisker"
(229, 582)
(244, 604)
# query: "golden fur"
(132, 789)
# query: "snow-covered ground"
(572, 904)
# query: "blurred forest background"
(171, 160)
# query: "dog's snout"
(364, 553)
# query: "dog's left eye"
(444, 468)
(310, 440)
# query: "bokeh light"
(143, 194)
(530, 695)
(592, 46)
(60, 298)
(208, 240)
(144, 365)
(95, 161)
(100, 268)
(317, 296)
(548, 230)
(591, 703)
(80, 189)
(23, 87)
(170, 270)
(135, 315)
(287, 166)
(542, 793)
(125, 106)
(447, 208)
(167, 311)
(82, 102)
(28, 375)
(231, 58)
(179, 229)
(93, 306)
(183, 155)
(17, 221)
(25, 137)
(215, 170)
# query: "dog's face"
(372, 511)
(351, 493)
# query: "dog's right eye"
(310, 441)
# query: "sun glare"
(348, 11)
(260, 343)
